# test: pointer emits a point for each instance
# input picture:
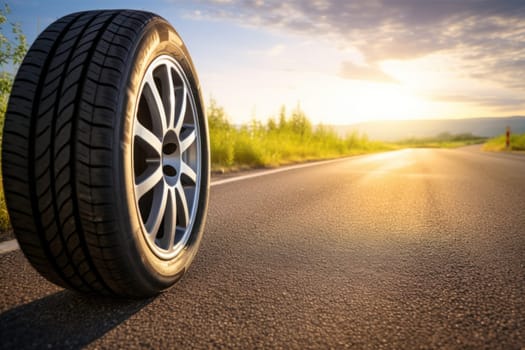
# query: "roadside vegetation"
(12, 51)
(498, 144)
(443, 140)
(289, 138)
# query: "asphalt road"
(407, 249)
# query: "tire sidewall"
(158, 38)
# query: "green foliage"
(12, 52)
(443, 140)
(220, 135)
(517, 143)
(291, 139)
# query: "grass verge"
(443, 140)
(5, 224)
(498, 144)
(291, 139)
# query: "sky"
(341, 61)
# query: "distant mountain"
(397, 130)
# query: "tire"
(106, 154)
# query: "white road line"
(8, 246)
(274, 171)
(12, 245)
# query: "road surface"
(406, 249)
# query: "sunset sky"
(342, 61)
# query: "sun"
(341, 101)
(377, 101)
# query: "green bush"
(292, 139)
(12, 53)
(443, 140)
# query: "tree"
(12, 52)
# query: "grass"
(246, 148)
(291, 139)
(443, 140)
(5, 224)
(498, 144)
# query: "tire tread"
(57, 149)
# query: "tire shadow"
(64, 320)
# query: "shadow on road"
(64, 320)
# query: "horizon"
(378, 121)
(432, 120)
(344, 62)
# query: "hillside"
(398, 130)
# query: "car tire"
(105, 154)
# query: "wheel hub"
(171, 158)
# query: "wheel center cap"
(171, 158)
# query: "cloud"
(489, 35)
(274, 51)
(352, 71)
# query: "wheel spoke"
(171, 94)
(158, 208)
(147, 181)
(170, 220)
(182, 113)
(147, 136)
(183, 213)
(186, 170)
(156, 107)
(188, 141)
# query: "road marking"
(274, 171)
(12, 245)
(8, 246)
